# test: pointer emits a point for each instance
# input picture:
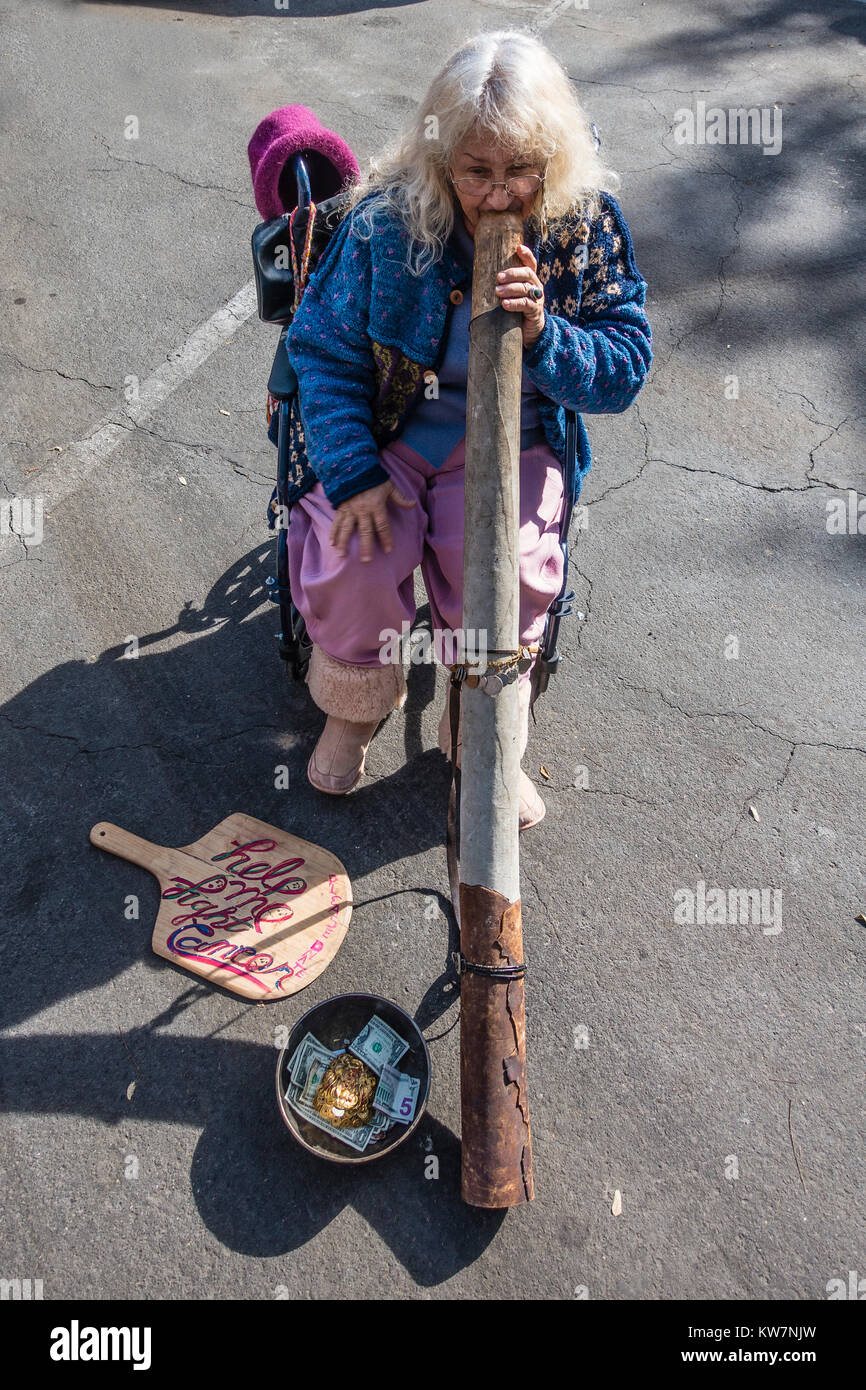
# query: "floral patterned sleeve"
(595, 356)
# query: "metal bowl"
(335, 1022)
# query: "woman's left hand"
(513, 287)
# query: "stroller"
(279, 289)
(277, 301)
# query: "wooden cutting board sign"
(248, 906)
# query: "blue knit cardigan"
(368, 332)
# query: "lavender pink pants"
(347, 604)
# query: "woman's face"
(481, 158)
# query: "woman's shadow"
(165, 734)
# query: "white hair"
(508, 87)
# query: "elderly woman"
(380, 347)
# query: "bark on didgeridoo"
(497, 1147)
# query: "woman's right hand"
(368, 511)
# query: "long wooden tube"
(496, 1143)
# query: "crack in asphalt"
(209, 450)
(743, 482)
(617, 487)
(587, 609)
(754, 795)
(526, 875)
(728, 477)
(723, 287)
(182, 753)
(67, 376)
(834, 429)
(740, 714)
(170, 173)
(260, 480)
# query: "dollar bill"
(318, 1067)
(381, 1124)
(378, 1045)
(357, 1139)
(307, 1067)
(303, 1046)
(308, 1049)
(397, 1095)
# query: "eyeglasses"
(521, 187)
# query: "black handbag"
(272, 253)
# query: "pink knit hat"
(295, 130)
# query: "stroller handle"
(302, 180)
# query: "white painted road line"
(69, 470)
(550, 12)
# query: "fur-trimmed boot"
(532, 808)
(356, 699)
